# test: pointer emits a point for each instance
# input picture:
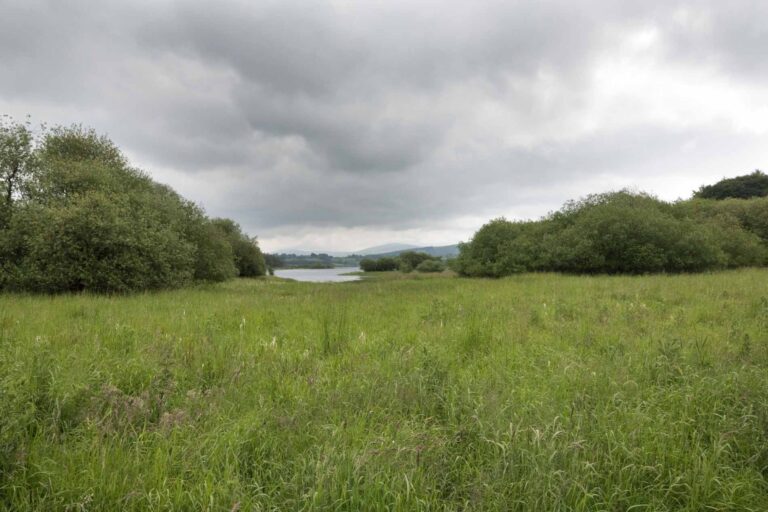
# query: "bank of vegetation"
(75, 216)
(631, 233)
(407, 261)
(312, 260)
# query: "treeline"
(406, 262)
(313, 260)
(740, 187)
(74, 215)
(624, 233)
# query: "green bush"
(627, 233)
(379, 264)
(430, 266)
(82, 219)
(742, 187)
(488, 253)
(214, 257)
(99, 243)
(248, 258)
(621, 232)
(751, 215)
(409, 260)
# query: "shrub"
(430, 266)
(248, 258)
(99, 243)
(626, 233)
(751, 215)
(621, 232)
(214, 258)
(484, 255)
(742, 187)
(379, 264)
(409, 260)
(83, 219)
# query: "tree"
(273, 261)
(83, 219)
(384, 264)
(247, 256)
(740, 187)
(623, 232)
(17, 161)
(430, 266)
(481, 256)
(409, 260)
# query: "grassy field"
(537, 392)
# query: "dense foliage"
(406, 262)
(431, 265)
(740, 187)
(313, 260)
(76, 216)
(379, 264)
(623, 232)
(410, 260)
(248, 259)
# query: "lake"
(318, 275)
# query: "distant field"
(535, 392)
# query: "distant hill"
(379, 249)
(304, 252)
(385, 249)
(311, 259)
(442, 251)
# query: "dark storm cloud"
(397, 114)
(346, 83)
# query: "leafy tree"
(100, 243)
(247, 256)
(409, 260)
(83, 219)
(214, 259)
(17, 162)
(273, 261)
(741, 187)
(751, 215)
(622, 232)
(626, 233)
(481, 256)
(384, 264)
(430, 265)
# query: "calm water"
(318, 275)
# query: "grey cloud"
(731, 35)
(517, 180)
(308, 73)
(395, 114)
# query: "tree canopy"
(76, 216)
(740, 187)
(623, 233)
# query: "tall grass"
(536, 392)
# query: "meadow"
(533, 392)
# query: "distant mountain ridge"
(380, 251)
(385, 249)
(441, 251)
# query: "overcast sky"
(338, 125)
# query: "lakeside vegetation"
(313, 260)
(75, 216)
(407, 261)
(533, 392)
(624, 233)
(322, 260)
